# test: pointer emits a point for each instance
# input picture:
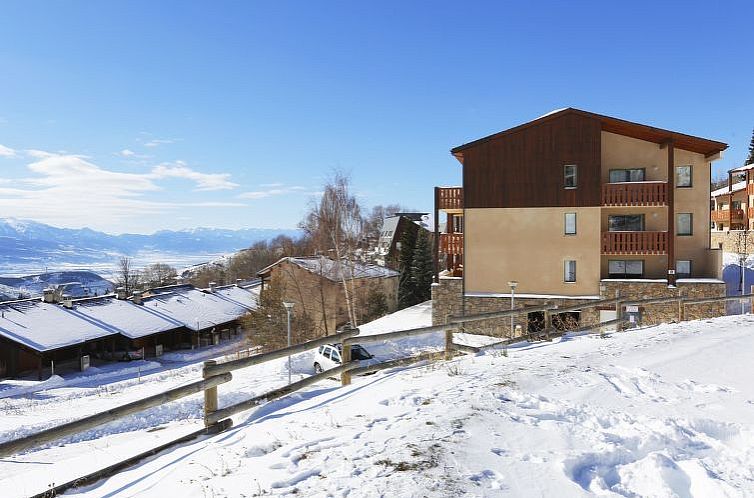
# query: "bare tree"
(127, 276)
(334, 223)
(158, 274)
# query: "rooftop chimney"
(120, 293)
(68, 301)
(48, 295)
(212, 286)
(137, 297)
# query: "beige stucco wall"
(529, 245)
(695, 200)
(619, 152)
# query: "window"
(683, 176)
(569, 271)
(684, 224)
(735, 205)
(570, 223)
(571, 175)
(626, 175)
(683, 268)
(626, 223)
(631, 268)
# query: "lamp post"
(513, 285)
(288, 308)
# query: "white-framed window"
(570, 224)
(683, 268)
(625, 268)
(683, 176)
(684, 224)
(570, 172)
(569, 271)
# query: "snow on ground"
(662, 411)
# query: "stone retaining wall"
(447, 301)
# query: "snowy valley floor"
(664, 411)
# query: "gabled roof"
(743, 168)
(613, 125)
(334, 271)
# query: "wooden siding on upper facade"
(525, 168)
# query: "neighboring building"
(393, 228)
(34, 333)
(315, 286)
(732, 205)
(577, 206)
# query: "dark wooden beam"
(671, 213)
(436, 241)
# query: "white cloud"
(204, 181)
(156, 142)
(71, 190)
(6, 151)
(126, 153)
(261, 194)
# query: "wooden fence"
(215, 373)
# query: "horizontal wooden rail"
(464, 348)
(635, 194)
(225, 412)
(592, 304)
(77, 426)
(639, 242)
(229, 366)
(397, 363)
(363, 339)
(702, 300)
(654, 300)
(501, 314)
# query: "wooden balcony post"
(436, 241)
(671, 213)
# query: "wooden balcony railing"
(724, 215)
(451, 243)
(635, 194)
(751, 212)
(750, 189)
(450, 198)
(634, 243)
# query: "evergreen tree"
(422, 268)
(750, 160)
(406, 287)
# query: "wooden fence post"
(345, 375)
(548, 323)
(681, 310)
(618, 311)
(210, 395)
(448, 343)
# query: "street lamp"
(288, 308)
(512, 284)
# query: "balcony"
(750, 189)
(450, 198)
(451, 243)
(635, 243)
(728, 215)
(635, 194)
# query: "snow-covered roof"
(744, 168)
(334, 270)
(44, 326)
(198, 310)
(724, 190)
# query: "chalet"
(731, 206)
(315, 286)
(36, 333)
(393, 228)
(577, 206)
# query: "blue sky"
(136, 116)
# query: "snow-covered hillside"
(663, 411)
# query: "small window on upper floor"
(570, 172)
(683, 176)
(570, 224)
(684, 224)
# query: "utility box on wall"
(84, 362)
(158, 349)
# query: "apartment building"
(731, 206)
(577, 206)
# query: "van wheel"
(317, 368)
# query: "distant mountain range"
(73, 283)
(25, 243)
